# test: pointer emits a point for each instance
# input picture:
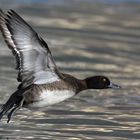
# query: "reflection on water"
(101, 39)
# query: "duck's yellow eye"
(104, 80)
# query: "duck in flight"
(40, 81)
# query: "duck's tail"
(14, 103)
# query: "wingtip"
(1, 13)
(9, 11)
(12, 12)
(2, 16)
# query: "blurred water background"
(86, 37)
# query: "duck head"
(100, 82)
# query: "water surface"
(86, 38)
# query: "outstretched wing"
(33, 57)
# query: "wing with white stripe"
(33, 56)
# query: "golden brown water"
(86, 39)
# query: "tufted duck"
(41, 83)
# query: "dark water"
(86, 39)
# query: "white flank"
(52, 97)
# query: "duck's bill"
(115, 86)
